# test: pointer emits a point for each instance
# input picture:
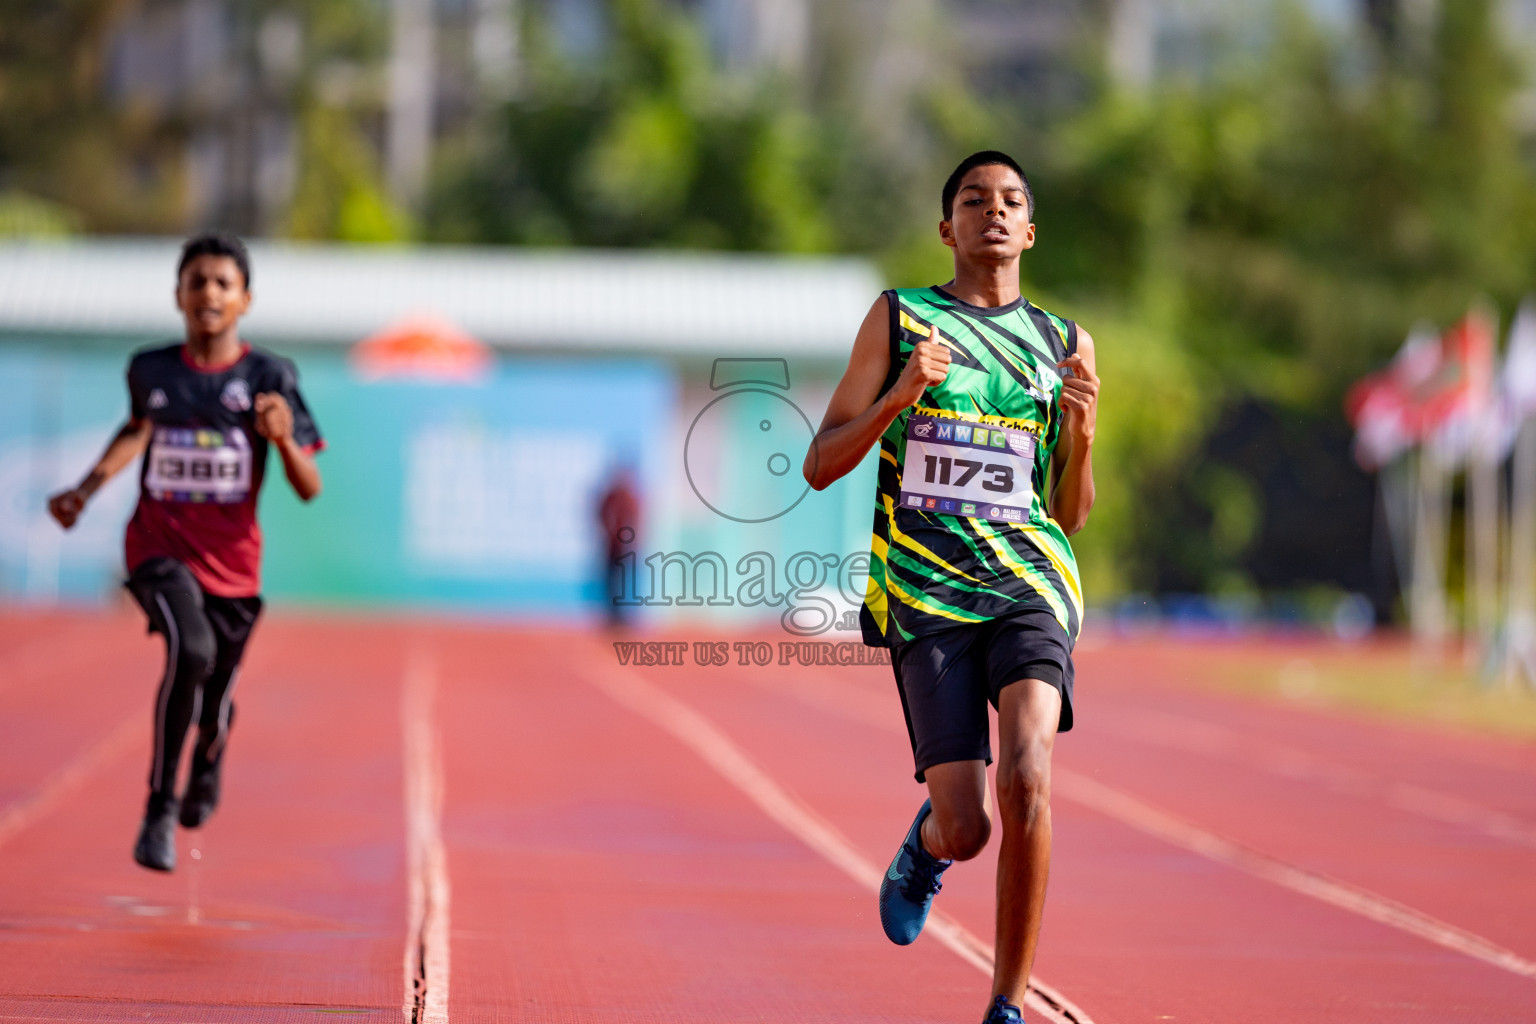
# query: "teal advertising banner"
(470, 495)
(60, 408)
(483, 496)
(466, 495)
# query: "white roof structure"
(701, 304)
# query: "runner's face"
(990, 219)
(211, 295)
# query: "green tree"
(1278, 231)
(75, 154)
(62, 146)
(652, 145)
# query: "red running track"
(475, 823)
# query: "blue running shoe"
(910, 884)
(1003, 1012)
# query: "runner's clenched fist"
(66, 506)
(274, 419)
(926, 366)
(1079, 399)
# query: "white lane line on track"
(1129, 810)
(839, 698)
(1208, 739)
(69, 778)
(1457, 811)
(700, 735)
(426, 941)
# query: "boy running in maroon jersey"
(207, 410)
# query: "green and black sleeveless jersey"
(961, 532)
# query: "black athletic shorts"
(232, 618)
(946, 680)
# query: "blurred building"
(228, 79)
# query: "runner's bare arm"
(858, 413)
(274, 421)
(126, 445)
(1072, 463)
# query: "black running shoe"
(202, 795)
(156, 848)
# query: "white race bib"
(199, 465)
(968, 469)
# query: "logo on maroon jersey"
(236, 396)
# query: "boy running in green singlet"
(983, 405)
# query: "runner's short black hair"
(216, 243)
(985, 158)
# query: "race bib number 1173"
(967, 469)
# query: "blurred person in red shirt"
(618, 510)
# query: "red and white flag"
(1381, 406)
(1461, 411)
(1434, 387)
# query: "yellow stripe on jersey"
(874, 594)
(917, 601)
(1046, 545)
(913, 325)
(901, 540)
(1024, 571)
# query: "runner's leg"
(174, 602)
(1029, 712)
(959, 826)
(233, 620)
(943, 686)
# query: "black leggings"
(205, 637)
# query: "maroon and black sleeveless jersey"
(205, 463)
